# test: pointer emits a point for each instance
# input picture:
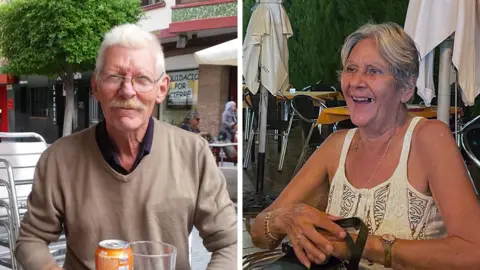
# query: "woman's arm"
(453, 194)
(310, 186)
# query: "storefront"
(182, 96)
(6, 100)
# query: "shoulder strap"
(346, 146)
(407, 141)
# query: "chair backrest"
(471, 139)
(23, 157)
(307, 108)
(322, 88)
(274, 117)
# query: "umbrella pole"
(262, 138)
(445, 70)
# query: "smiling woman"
(403, 176)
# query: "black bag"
(290, 261)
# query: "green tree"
(59, 38)
(320, 28)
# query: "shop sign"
(183, 88)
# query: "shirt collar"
(108, 150)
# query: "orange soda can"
(113, 255)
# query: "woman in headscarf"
(228, 129)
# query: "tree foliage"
(59, 37)
(46, 36)
(320, 28)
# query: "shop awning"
(224, 54)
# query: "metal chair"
(275, 122)
(258, 259)
(18, 161)
(470, 139)
(307, 108)
(249, 116)
(470, 142)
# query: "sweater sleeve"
(215, 216)
(42, 223)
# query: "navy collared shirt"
(109, 152)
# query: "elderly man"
(130, 177)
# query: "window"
(151, 2)
(39, 99)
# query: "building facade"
(185, 27)
(36, 103)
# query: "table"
(221, 145)
(337, 114)
(319, 95)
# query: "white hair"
(131, 36)
(395, 46)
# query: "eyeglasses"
(113, 82)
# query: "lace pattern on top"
(394, 206)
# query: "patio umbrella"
(224, 54)
(435, 22)
(265, 61)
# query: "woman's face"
(368, 86)
(194, 121)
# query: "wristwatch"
(388, 240)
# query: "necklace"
(383, 156)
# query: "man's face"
(128, 105)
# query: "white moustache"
(127, 104)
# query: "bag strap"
(356, 248)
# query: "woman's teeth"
(362, 100)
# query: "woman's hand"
(299, 222)
(340, 247)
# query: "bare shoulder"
(336, 139)
(330, 150)
(432, 133)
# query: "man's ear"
(94, 85)
(163, 88)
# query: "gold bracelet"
(269, 236)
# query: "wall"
(185, 61)
(158, 18)
(212, 96)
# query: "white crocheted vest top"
(393, 207)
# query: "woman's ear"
(408, 91)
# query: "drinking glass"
(149, 255)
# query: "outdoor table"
(221, 145)
(337, 114)
(315, 94)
